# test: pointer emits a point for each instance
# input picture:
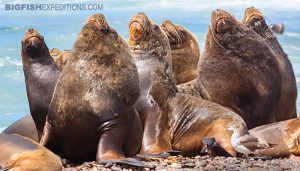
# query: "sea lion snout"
(32, 42)
(99, 21)
(139, 27)
(222, 21)
(171, 31)
(252, 14)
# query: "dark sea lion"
(41, 75)
(286, 107)
(284, 137)
(185, 51)
(237, 70)
(172, 120)
(18, 153)
(60, 57)
(91, 115)
(24, 127)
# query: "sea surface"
(60, 29)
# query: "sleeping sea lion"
(286, 107)
(24, 127)
(91, 115)
(185, 51)
(238, 70)
(18, 153)
(41, 75)
(172, 120)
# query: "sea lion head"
(33, 44)
(97, 37)
(177, 35)
(255, 20)
(147, 36)
(224, 30)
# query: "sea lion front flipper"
(127, 161)
(213, 148)
(49, 139)
(163, 155)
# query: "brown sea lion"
(41, 75)
(91, 115)
(185, 51)
(237, 70)
(171, 120)
(284, 137)
(286, 107)
(24, 127)
(60, 57)
(18, 153)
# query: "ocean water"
(60, 29)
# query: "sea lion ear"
(158, 93)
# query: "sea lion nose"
(30, 30)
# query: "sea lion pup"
(237, 70)
(24, 127)
(60, 57)
(286, 107)
(185, 51)
(171, 120)
(20, 153)
(97, 120)
(41, 75)
(284, 137)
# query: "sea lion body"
(172, 120)
(24, 127)
(237, 70)
(91, 114)
(19, 153)
(185, 51)
(60, 57)
(286, 107)
(41, 75)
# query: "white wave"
(2, 129)
(292, 34)
(16, 75)
(298, 80)
(8, 114)
(8, 61)
(11, 49)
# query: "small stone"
(210, 167)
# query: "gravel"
(195, 163)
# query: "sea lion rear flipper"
(213, 148)
(126, 161)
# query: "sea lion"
(60, 57)
(41, 75)
(20, 153)
(238, 70)
(24, 127)
(185, 51)
(172, 120)
(284, 137)
(97, 120)
(286, 107)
